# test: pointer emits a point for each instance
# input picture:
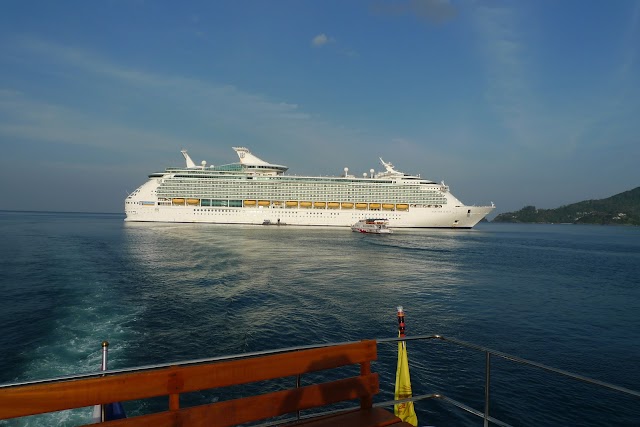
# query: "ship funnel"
(246, 158)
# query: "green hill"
(622, 209)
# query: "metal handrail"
(522, 361)
(488, 353)
(93, 374)
(311, 346)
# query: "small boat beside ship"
(372, 225)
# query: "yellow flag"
(404, 411)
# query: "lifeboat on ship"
(193, 202)
(347, 205)
(321, 205)
(361, 206)
(264, 203)
(291, 204)
(388, 206)
(177, 201)
(374, 205)
(333, 205)
(305, 204)
(249, 203)
(402, 206)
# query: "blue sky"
(519, 103)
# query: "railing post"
(366, 402)
(103, 367)
(487, 382)
(298, 386)
(174, 387)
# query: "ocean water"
(564, 295)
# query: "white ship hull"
(199, 195)
(415, 217)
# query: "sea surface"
(567, 296)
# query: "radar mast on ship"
(190, 163)
(389, 167)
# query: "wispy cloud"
(204, 109)
(508, 91)
(321, 40)
(614, 113)
(631, 42)
(224, 101)
(32, 119)
(531, 116)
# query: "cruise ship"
(253, 191)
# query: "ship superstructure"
(253, 191)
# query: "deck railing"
(488, 353)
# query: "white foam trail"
(75, 346)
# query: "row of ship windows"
(232, 203)
(282, 195)
(278, 205)
(318, 196)
(289, 214)
(280, 181)
(298, 186)
(354, 199)
(285, 194)
(298, 190)
(293, 185)
(284, 185)
(336, 200)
